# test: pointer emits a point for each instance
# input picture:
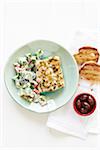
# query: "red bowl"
(77, 111)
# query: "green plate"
(69, 67)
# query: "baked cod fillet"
(90, 71)
(86, 54)
(49, 74)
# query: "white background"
(22, 22)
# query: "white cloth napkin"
(65, 119)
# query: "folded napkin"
(65, 119)
(68, 121)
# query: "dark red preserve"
(84, 104)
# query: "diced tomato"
(35, 85)
(36, 91)
(38, 80)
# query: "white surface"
(27, 20)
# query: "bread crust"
(87, 47)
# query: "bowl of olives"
(84, 104)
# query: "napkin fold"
(65, 119)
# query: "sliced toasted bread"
(90, 71)
(86, 54)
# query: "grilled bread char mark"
(90, 71)
(86, 54)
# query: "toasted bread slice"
(86, 54)
(90, 71)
